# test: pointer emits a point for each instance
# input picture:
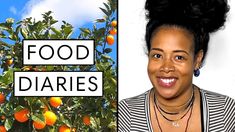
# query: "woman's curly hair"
(200, 17)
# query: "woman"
(177, 37)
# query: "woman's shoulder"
(221, 109)
(214, 96)
(132, 113)
(136, 100)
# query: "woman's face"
(172, 61)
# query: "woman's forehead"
(172, 38)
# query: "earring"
(196, 72)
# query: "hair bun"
(206, 15)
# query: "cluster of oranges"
(2, 100)
(112, 32)
(50, 117)
(23, 116)
(30, 68)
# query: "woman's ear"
(198, 59)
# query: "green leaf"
(68, 32)
(113, 110)
(3, 26)
(50, 68)
(64, 120)
(38, 118)
(105, 12)
(112, 125)
(106, 57)
(108, 50)
(24, 33)
(13, 37)
(85, 30)
(107, 7)
(8, 77)
(2, 35)
(10, 20)
(99, 67)
(34, 36)
(19, 108)
(18, 29)
(114, 81)
(99, 33)
(100, 20)
(95, 122)
(19, 22)
(56, 31)
(48, 13)
(54, 36)
(52, 129)
(113, 4)
(53, 21)
(8, 123)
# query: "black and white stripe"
(221, 111)
(218, 113)
(136, 111)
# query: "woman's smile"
(166, 82)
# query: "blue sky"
(11, 8)
(79, 13)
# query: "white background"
(217, 74)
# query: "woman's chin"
(166, 93)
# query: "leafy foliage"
(101, 110)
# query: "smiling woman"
(177, 36)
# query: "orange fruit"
(86, 120)
(73, 130)
(50, 118)
(22, 115)
(113, 31)
(39, 125)
(110, 39)
(55, 101)
(43, 69)
(2, 98)
(45, 108)
(64, 128)
(114, 23)
(27, 68)
(2, 129)
(35, 69)
(9, 62)
(114, 104)
(3, 117)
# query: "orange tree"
(26, 114)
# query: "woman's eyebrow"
(176, 51)
(157, 49)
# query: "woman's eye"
(157, 56)
(179, 58)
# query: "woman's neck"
(177, 103)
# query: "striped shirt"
(218, 113)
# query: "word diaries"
(58, 83)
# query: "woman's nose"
(167, 66)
